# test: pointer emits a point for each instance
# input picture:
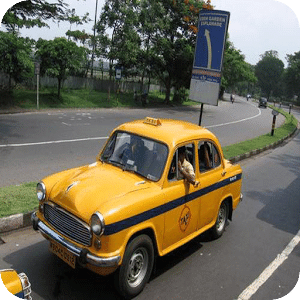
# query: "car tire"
(219, 227)
(136, 268)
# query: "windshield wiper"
(116, 163)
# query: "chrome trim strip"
(90, 258)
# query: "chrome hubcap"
(137, 267)
(221, 218)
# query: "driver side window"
(174, 174)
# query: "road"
(263, 226)
(34, 145)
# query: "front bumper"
(84, 256)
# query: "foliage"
(31, 13)
(15, 57)
(151, 37)
(292, 77)
(78, 35)
(60, 58)
(235, 68)
(269, 72)
(122, 47)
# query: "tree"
(146, 35)
(235, 68)
(72, 18)
(31, 13)
(269, 72)
(292, 76)
(122, 47)
(60, 58)
(15, 57)
(173, 34)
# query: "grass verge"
(18, 199)
(22, 198)
(71, 98)
(262, 141)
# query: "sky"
(255, 26)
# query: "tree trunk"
(168, 91)
(59, 87)
(221, 93)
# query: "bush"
(180, 96)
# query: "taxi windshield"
(131, 152)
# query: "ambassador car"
(133, 204)
(17, 284)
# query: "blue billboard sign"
(209, 52)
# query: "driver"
(185, 168)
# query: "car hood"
(84, 190)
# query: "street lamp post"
(37, 65)
(94, 40)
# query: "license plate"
(64, 254)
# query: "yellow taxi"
(17, 284)
(156, 184)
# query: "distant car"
(16, 284)
(132, 204)
(263, 102)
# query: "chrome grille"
(68, 224)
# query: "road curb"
(15, 222)
(265, 148)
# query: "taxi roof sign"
(152, 121)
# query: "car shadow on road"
(167, 262)
(51, 278)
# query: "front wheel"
(136, 268)
(219, 227)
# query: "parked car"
(263, 102)
(133, 203)
(17, 284)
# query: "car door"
(181, 216)
(210, 168)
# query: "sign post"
(208, 60)
(275, 114)
(118, 78)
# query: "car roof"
(171, 132)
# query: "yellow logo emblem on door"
(185, 218)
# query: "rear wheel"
(136, 268)
(219, 227)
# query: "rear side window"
(209, 156)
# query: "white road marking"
(102, 138)
(54, 142)
(273, 266)
(238, 121)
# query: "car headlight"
(97, 223)
(41, 191)
(25, 285)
